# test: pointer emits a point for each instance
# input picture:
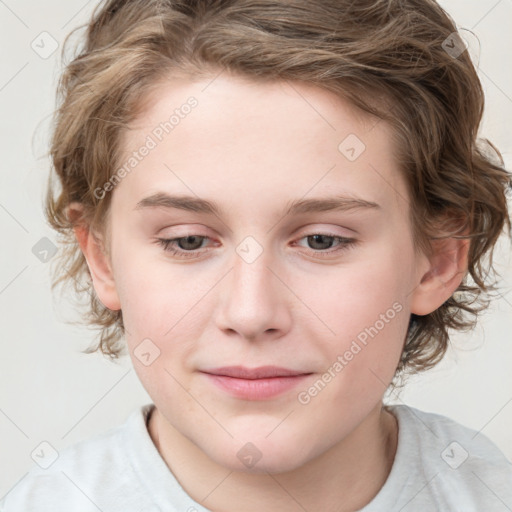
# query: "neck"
(344, 478)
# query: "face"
(260, 271)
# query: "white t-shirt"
(440, 466)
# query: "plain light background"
(52, 392)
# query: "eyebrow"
(299, 206)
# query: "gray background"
(52, 392)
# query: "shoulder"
(80, 474)
(461, 466)
(431, 429)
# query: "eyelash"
(167, 244)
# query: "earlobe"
(447, 266)
(99, 266)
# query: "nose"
(254, 299)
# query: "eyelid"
(320, 229)
(344, 243)
(303, 231)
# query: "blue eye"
(170, 244)
(190, 246)
(323, 239)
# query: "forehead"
(252, 143)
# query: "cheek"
(370, 325)
(156, 297)
(373, 293)
(367, 309)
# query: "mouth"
(259, 383)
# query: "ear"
(444, 271)
(97, 259)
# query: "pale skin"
(252, 148)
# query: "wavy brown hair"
(387, 57)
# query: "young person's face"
(254, 287)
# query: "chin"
(262, 455)
(269, 463)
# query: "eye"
(191, 246)
(189, 242)
(322, 241)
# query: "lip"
(259, 383)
